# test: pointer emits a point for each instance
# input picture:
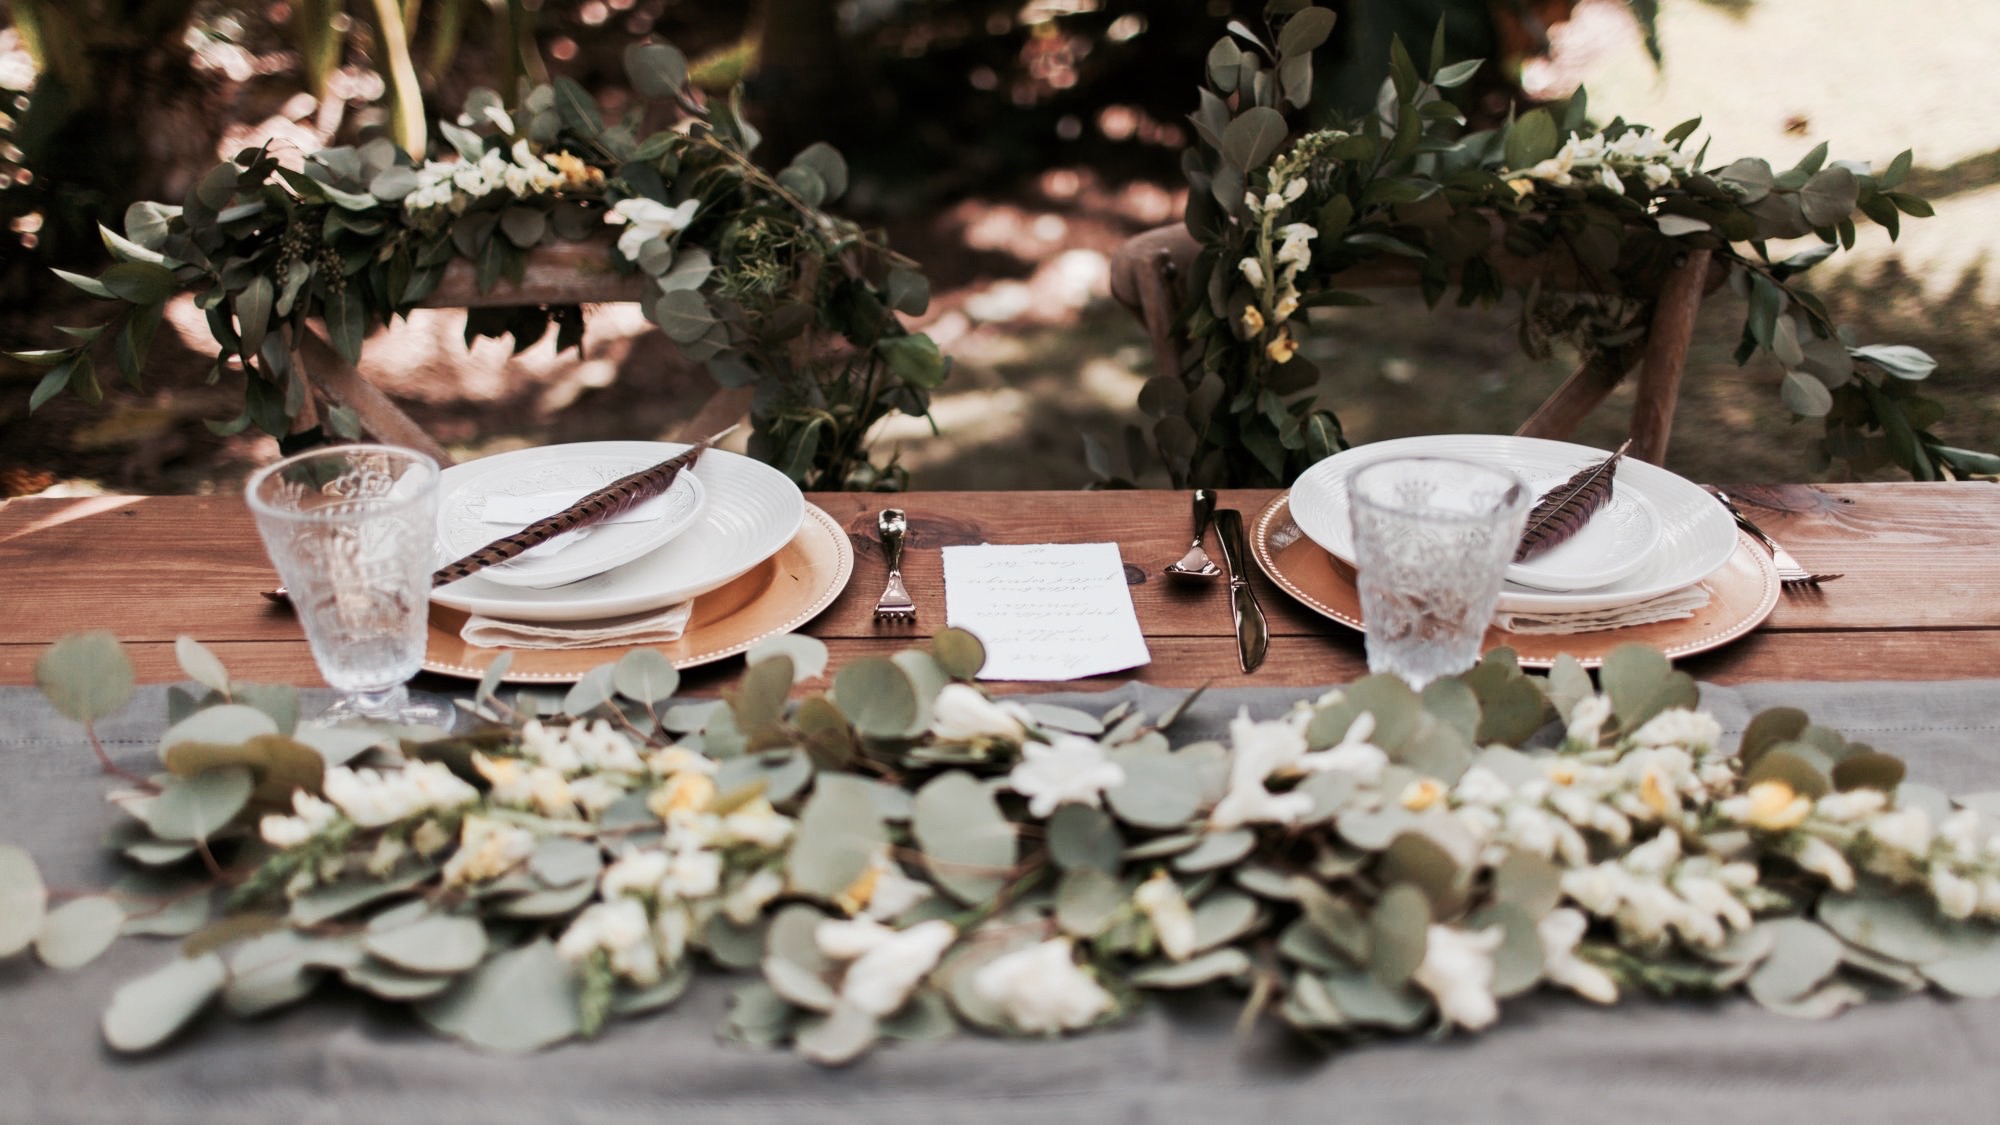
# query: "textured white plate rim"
(702, 558)
(1697, 536)
(608, 546)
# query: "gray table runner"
(341, 1058)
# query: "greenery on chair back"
(749, 274)
(1280, 216)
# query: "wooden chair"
(1147, 272)
(563, 273)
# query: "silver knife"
(1252, 637)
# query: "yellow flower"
(1774, 807)
(1421, 794)
(1656, 795)
(1563, 773)
(1522, 185)
(1282, 349)
(1253, 321)
(575, 173)
(687, 792)
(855, 898)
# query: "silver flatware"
(1196, 563)
(895, 603)
(1790, 572)
(1252, 636)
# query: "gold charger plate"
(1741, 595)
(776, 596)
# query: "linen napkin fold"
(1671, 606)
(657, 626)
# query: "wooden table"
(1920, 600)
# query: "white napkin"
(658, 626)
(1667, 607)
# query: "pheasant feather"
(1563, 510)
(613, 499)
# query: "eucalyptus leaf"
(968, 845)
(1219, 964)
(838, 831)
(1087, 899)
(519, 1000)
(147, 1012)
(85, 676)
(196, 808)
(645, 675)
(840, 1037)
(23, 900)
(77, 931)
(807, 654)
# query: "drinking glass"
(352, 530)
(1432, 540)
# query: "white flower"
(1457, 971)
(679, 759)
(314, 815)
(1264, 748)
(595, 794)
(1598, 889)
(1161, 900)
(1957, 896)
(1068, 769)
(647, 219)
(622, 930)
(752, 895)
(889, 892)
(692, 873)
(1294, 253)
(638, 873)
(1560, 930)
(1691, 730)
(1353, 755)
(600, 747)
(1251, 803)
(1040, 989)
(1655, 855)
(1253, 272)
(1294, 188)
(962, 713)
(487, 849)
(886, 964)
(755, 823)
(1586, 720)
(1961, 831)
(1905, 830)
(1481, 786)
(1826, 861)
(1771, 805)
(372, 798)
(1657, 175)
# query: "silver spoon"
(1196, 563)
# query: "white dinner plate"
(1695, 536)
(750, 512)
(463, 526)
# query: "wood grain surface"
(1920, 600)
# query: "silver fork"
(1790, 572)
(895, 603)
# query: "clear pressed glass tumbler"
(1432, 540)
(352, 529)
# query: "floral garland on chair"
(902, 857)
(746, 271)
(1279, 218)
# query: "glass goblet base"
(397, 706)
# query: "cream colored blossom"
(963, 713)
(1282, 348)
(1253, 272)
(1694, 731)
(1560, 931)
(1771, 805)
(885, 964)
(313, 817)
(1826, 861)
(1067, 769)
(1457, 971)
(1587, 719)
(645, 220)
(1905, 830)
(487, 849)
(1041, 991)
(1161, 901)
(1253, 321)
(622, 930)
(372, 798)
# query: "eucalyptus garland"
(748, 274)
(902, 857)
(1280, 212)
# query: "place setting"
(701, 554)
(1637, 554)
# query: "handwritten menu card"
(1050, 611)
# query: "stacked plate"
(1661, 533)
(718, 526)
